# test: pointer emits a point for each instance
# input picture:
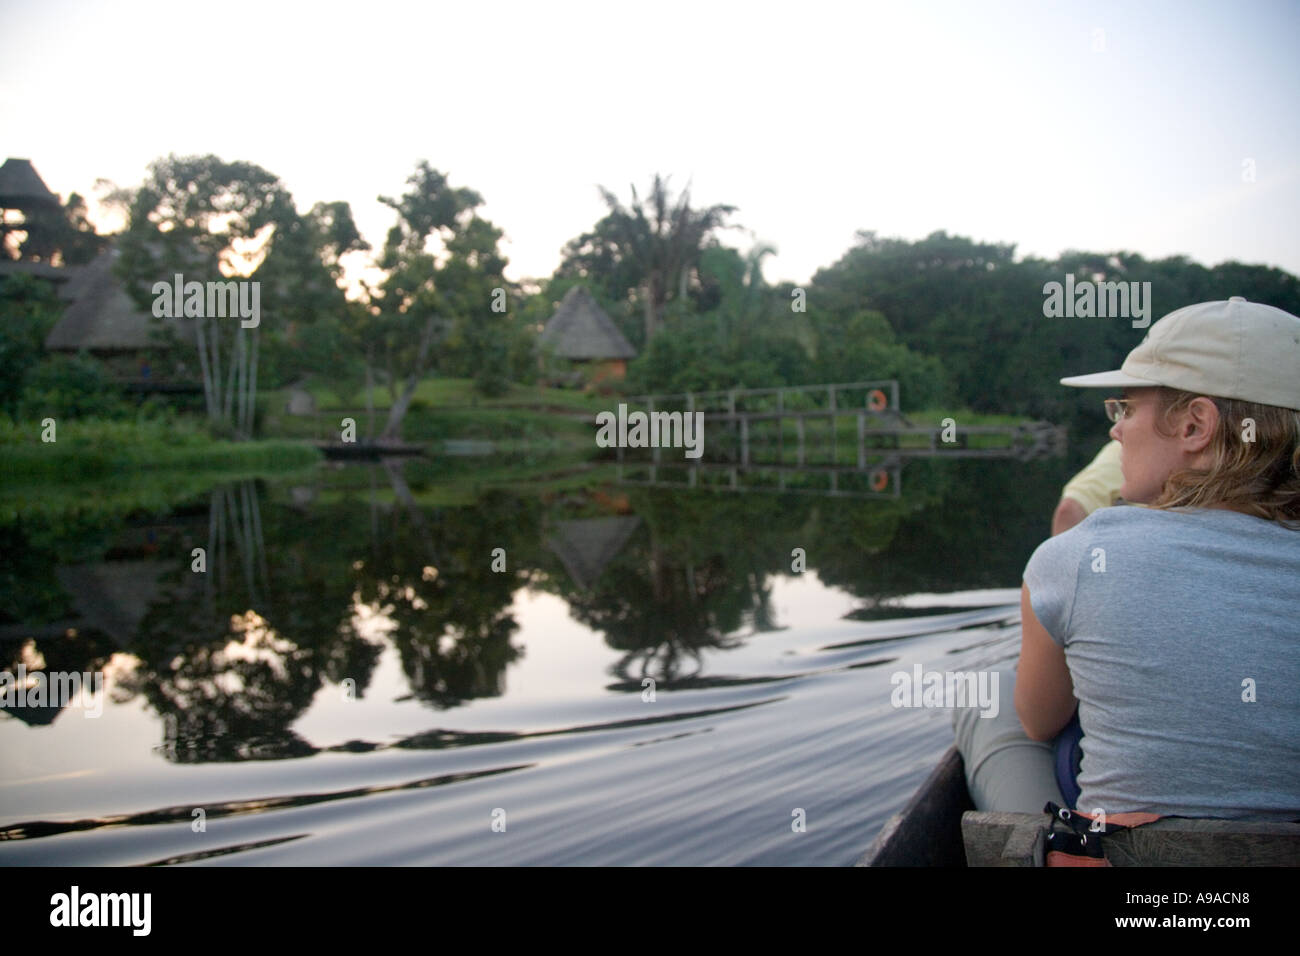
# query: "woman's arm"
(1044, 691)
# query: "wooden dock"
(743, 422)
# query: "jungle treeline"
(959, 321)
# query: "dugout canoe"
(927, 831)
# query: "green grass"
(512, 427)
(934, 418)
(497, 424)
(444, 393)
(552, 419)
(91, 448)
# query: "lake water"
(448, 664)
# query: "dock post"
(731, 417)
(862, 441)
(780, 424)
(834, 409)
(799, 428)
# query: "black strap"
(1079, 823)
(1080, 839)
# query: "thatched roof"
(580, 329)
(21, 185)
(113, 596)
(585, 545)
(102, 317)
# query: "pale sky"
(1097, 126)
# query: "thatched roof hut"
(101, 317)
(581, 330)
(582, 335)
(21, 187)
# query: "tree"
(649, 251)
(317, 330)
(28, 310)
(210, 220)
(442, 269)
(733, 290)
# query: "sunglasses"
(1117, 408)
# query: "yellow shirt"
(1097, 486)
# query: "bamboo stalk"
(252, 383)
(216, 372)
(228, 411)
(203, 368)
(240, 382)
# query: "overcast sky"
(1098, 126)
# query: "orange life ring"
(879, 480)
(876, 400)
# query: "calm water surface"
(352, 681)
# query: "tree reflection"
(434, 579)
(231, 658)
(695, 574)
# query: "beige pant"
(1005, 770)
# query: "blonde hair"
(1260, 477)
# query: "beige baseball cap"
(1233, 349)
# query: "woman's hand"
(1044, 691)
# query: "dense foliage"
(959, 323)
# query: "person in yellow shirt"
(1097, 486)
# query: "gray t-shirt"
(1196, 612)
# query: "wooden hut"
(102, 319)
(583, 336)
(23, 197)
(21, 186)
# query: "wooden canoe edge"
(927, 831)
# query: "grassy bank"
(93, 449)
(548, 419)
(454, 393)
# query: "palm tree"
(652, 247)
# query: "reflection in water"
(307, 592)
(380, 582)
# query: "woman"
(1174, 627)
